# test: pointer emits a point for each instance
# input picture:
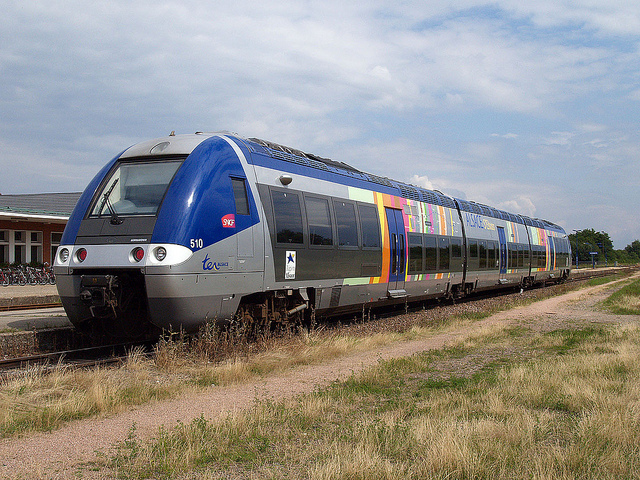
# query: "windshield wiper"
(115, 220)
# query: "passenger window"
(493, 255)
(320, 231)
(415, 253)
(513, 255)
(370, 226)
(240, 195)
(444, 254)
(483, 254)
(346, 220)
(520, 255)
(456, 248)
(473, 248)
(286, 208)
(431, 255)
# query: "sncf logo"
(229, 221)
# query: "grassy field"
(45, 399)
(506, 403)
(42, 400)
(503, 403)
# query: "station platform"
(29, 296)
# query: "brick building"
(31, 225)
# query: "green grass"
(504, 405)
(625, 301)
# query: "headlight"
(160, 253)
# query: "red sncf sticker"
(229, 221)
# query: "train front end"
(162, 238)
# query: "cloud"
(422, 181)
(416, 91)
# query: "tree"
(634, 248)
(586, 241)
(632, 252)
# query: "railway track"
(115, 353)
(80, 357)
(11, 308)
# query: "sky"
(531, 107)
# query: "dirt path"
(61, 454)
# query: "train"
(183, 230)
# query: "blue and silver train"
(188, 229)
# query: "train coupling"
(99, 291)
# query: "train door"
(398, 250)
(552, 253)
(503, 252)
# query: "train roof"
(412, 192)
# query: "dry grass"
(40, 399)
(568, 408)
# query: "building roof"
(39, 205)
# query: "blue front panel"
(199, 208)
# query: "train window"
(370, 226)
(286, 208)
(473, 248)
(431, 254)
(319, 219)
(415, 253)
(513, 255)
(482, 252)
(346, 220)
(493, 255)
(444, 254)
(135, 188)
(520, 255)
(456, 248)
(240, 195)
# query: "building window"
(4, 246)
(19, 247)
(56, 237)
(36, 253)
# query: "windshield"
(135, 188)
